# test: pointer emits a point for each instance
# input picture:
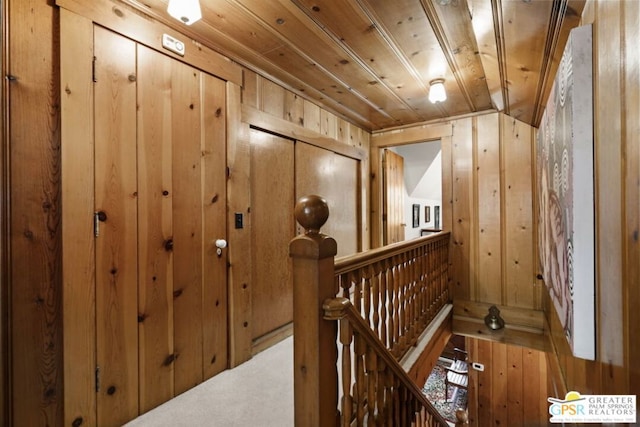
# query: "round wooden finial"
(312, 212)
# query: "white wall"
(423, 182)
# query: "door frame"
(442, 131)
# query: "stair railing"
(375, 389)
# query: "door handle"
(220, 245)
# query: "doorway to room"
(415, 203)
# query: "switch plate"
(239, 220)
(173, 44)
(477, 366)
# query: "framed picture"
(427, 214)
(565, 190)
(436, 217)
(416, 216)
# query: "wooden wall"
(616, 29)
(512, 389)
(33, 148)
(31, 284)
(487, 204)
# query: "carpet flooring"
(434, 391)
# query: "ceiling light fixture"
(436, 91)
(185, 11)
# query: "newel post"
(314, 339)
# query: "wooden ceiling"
(372, 61)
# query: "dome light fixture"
(185, 11)
(436, 91)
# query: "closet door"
(160, 202)
(182, 302)
(116, 228)
(334, 177)
(272, 224)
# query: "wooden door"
(116, 229)
(393, 197)
(160, 194)
(334, 177)
(272, 223)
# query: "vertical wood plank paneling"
(512, 388)
(447, 196)
(311, 116)
(293, 108)
(484, 397)
(214, 182)
(155, 233)
(272, 98)
(471, 345)
(34, 216)
(608, 152)
(250, 89)
(344, 131)
(532, 363)
(328, 124)
(239, 201)
(487, 178)
(78, 256)
(462, 191)
(515, 386)
(518, 215)
(187, 226)
(376, 199)
(499, 381)
(631, 108)
(272, 198)
(116, 246)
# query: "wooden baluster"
(371, 363)
(384, 337)
(397, 322)
(375, 293)
(366, 290)
(381, 392)
(432, 280)
(314, 342)
(422, 297)
(359, 392)
(346, 338)
(356, 297)
(411, 301)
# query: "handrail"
(384, 392)
(347, 263)
(406, 288)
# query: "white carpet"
(256, 393)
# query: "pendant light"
(186, 11)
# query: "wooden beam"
(291, 130)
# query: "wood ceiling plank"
(485, 33)
(452, 26)
(373, 59)
(311, 41)
(525, 29)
